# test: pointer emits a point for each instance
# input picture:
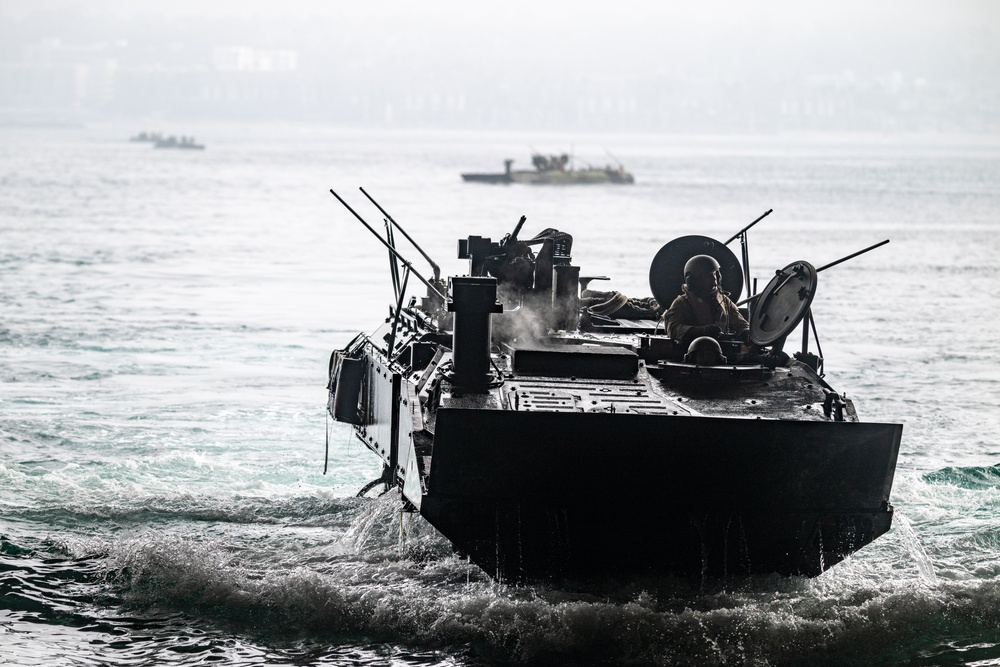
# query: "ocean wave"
(312, 510)
(47, 584)
(373, 576)
(971, 477)
(444, 603)
(985, 539)
(389, 579)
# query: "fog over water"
(636, 65)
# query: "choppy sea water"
(166, 322)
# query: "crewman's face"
(706, 283)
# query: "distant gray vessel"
(553, 170)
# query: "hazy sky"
(566, 22)
(624, 34)
(553, 12)
(549, 47)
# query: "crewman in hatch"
(703, 308)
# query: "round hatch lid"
(783, 303)
(666, 272)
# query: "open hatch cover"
(783, 303)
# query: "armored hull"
(595, 448)
(569, 177)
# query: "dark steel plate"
(783, 303)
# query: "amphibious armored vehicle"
(545, 439)
(554, 170)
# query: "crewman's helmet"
(705, 351)
(700, 265)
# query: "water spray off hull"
(598, 447)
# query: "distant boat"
(174, 142)
(147, 137)
(552, 170)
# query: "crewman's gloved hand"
(712, 330)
